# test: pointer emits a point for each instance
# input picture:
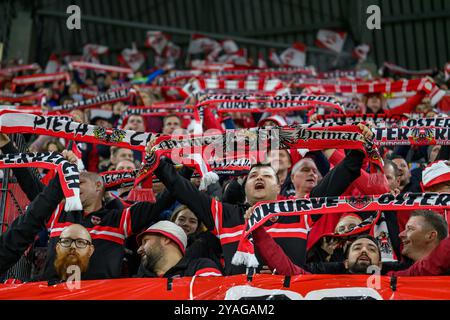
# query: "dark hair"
(262, 165)
(388, 162)
(434, 220)
(363, 236)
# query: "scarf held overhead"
(264, 211)
(68, 173)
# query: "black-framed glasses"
(79, 243)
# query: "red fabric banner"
(305, 287)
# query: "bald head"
(76, 231)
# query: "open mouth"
(259, 186)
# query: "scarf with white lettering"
(21, 98)
(382, 120)
(199, 85)
(264, 211)
(262, 103)
(158, 110)
(235, 144)
(113, 180)
(109, 97)
(68, 173)
(330, 86)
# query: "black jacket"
(186, 267)
(226, 221)
(23, 229)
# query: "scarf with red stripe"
(395, 69)
(264, 102)
(40, 78)
(199, 85)
(83, 65)
(26, 67)
(383, 120)
(327, 86)
(264, 211)
(234, 144)
(18, 98)
(68, 173)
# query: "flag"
(332, 40)
(53, 64)
(239, 58)
(274, 58)
(132, 58)
(157, 41)
(360, 52)
(447, 71)
(202, 44)
(169, 56)
(261, 62)
(294, 56)
(93, 50)
(229, 46)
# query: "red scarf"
(264, 211)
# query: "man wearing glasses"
(73, 251)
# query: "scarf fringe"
(244, 258)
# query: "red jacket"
(436, 263)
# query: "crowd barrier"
(260, 287)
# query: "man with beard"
(163, 247)
(74, 248)
(226, 221)
(426, 248)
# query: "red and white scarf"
(68, 173)
(266, 102)
(20, 98)
(320, 86)
(40, 78)
(12, 70)
(395, 69)
(83, 65)
(382, 120)
(264, 211)
(199, 85)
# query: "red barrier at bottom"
(310, 287)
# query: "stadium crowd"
(190, 222)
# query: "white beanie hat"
(436, 173)
(169, 230)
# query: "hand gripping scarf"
(68, 173)
(113, 180)
(263, 211)
(234, 144)
(61, 127)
